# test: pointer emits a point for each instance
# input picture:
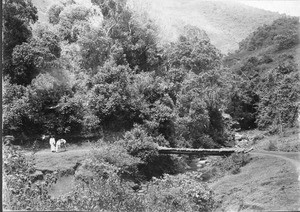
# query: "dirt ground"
(45, 160)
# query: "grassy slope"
(226, 23)
(266, 183)
(288, 142)
(233, 59)
(45, 160)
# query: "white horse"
(60, 143)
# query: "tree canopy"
(102, 67)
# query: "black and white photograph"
(151, 105)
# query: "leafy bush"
(139, 144)
(20, 193)
(117, 156)
(109, 192)
(104, 191)
(178, 193)
(272, 146)
(287, 40)
(231, 164)
(15, 108)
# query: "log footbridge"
(202, 152)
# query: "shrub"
(105, 191)
(19, 191)
(178, 193)
(109, 192)
(232, 164)
(272, 146)
(117, 156)
(285, 41)
(139, 144)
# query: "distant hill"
(226, 23)
(274, 40)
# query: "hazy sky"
(288, 7)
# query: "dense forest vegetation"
(267, 94)
(103, 68)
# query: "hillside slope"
(266, 66)
(268, 182)
(226, 23)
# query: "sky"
(289, 7)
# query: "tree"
(72, 21)
(15, 107)
(282, 32)
(134, 40)
(53, 13)
(279, 95)
(111, 97)
(243, 98)
(95, 49)
(39, 53)
(193, 52)
(17, 17)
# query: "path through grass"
(266, 183)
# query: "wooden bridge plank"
(204, 152)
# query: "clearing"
(47, 161)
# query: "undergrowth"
(225, 165)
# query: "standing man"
(52, 143)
